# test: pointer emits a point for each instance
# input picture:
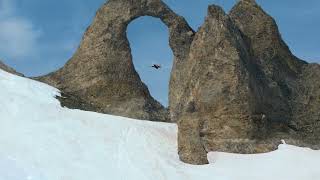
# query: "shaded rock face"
(306, 104)
(219, 88)
(279, 68)
(285, 76)
(246, 90)
(9, 69)
(235, 86)
(101, 74)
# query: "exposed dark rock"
(286, 76)
(218, 91)
(279, 68)
(9, 69)
(235, 86)
(246, 90)
(101, 72)
(305, 102)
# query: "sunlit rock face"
(235, 86)
(101, 74)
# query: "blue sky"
(39, 36)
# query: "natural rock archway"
(149, 41)
(235, 86)
(101, 76)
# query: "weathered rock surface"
(9, 69)
(279, 68)
(305, 102)
(235, 86)
(218, 92)
(101, 73)
(284, 74)
(246, 90)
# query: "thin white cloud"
(18, 35)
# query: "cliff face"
(216, 99)
(279, 68)
(305, 102)
(290, 98)
(247, 91)
(235, 86)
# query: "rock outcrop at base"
(101, 72)
(9, 69)
(235, 86)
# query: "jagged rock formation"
(9, 69)
(235, 86)
(284, 73)
(247, 91)
(218, 91)
(101, 74)
(284, 77)
(279, 68)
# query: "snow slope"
(39, 140)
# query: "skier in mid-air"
(156, 66)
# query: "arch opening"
(149, 42)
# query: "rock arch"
(101, 76)
(149, 42)
(223, 94)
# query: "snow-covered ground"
(39, 140)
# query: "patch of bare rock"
(235, 85)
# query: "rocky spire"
(287, 81)
(262, 31)
(217, 92)
(249, 1)
(216, 12)
(246, 90)
(279, 67)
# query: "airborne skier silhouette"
(156, 66)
